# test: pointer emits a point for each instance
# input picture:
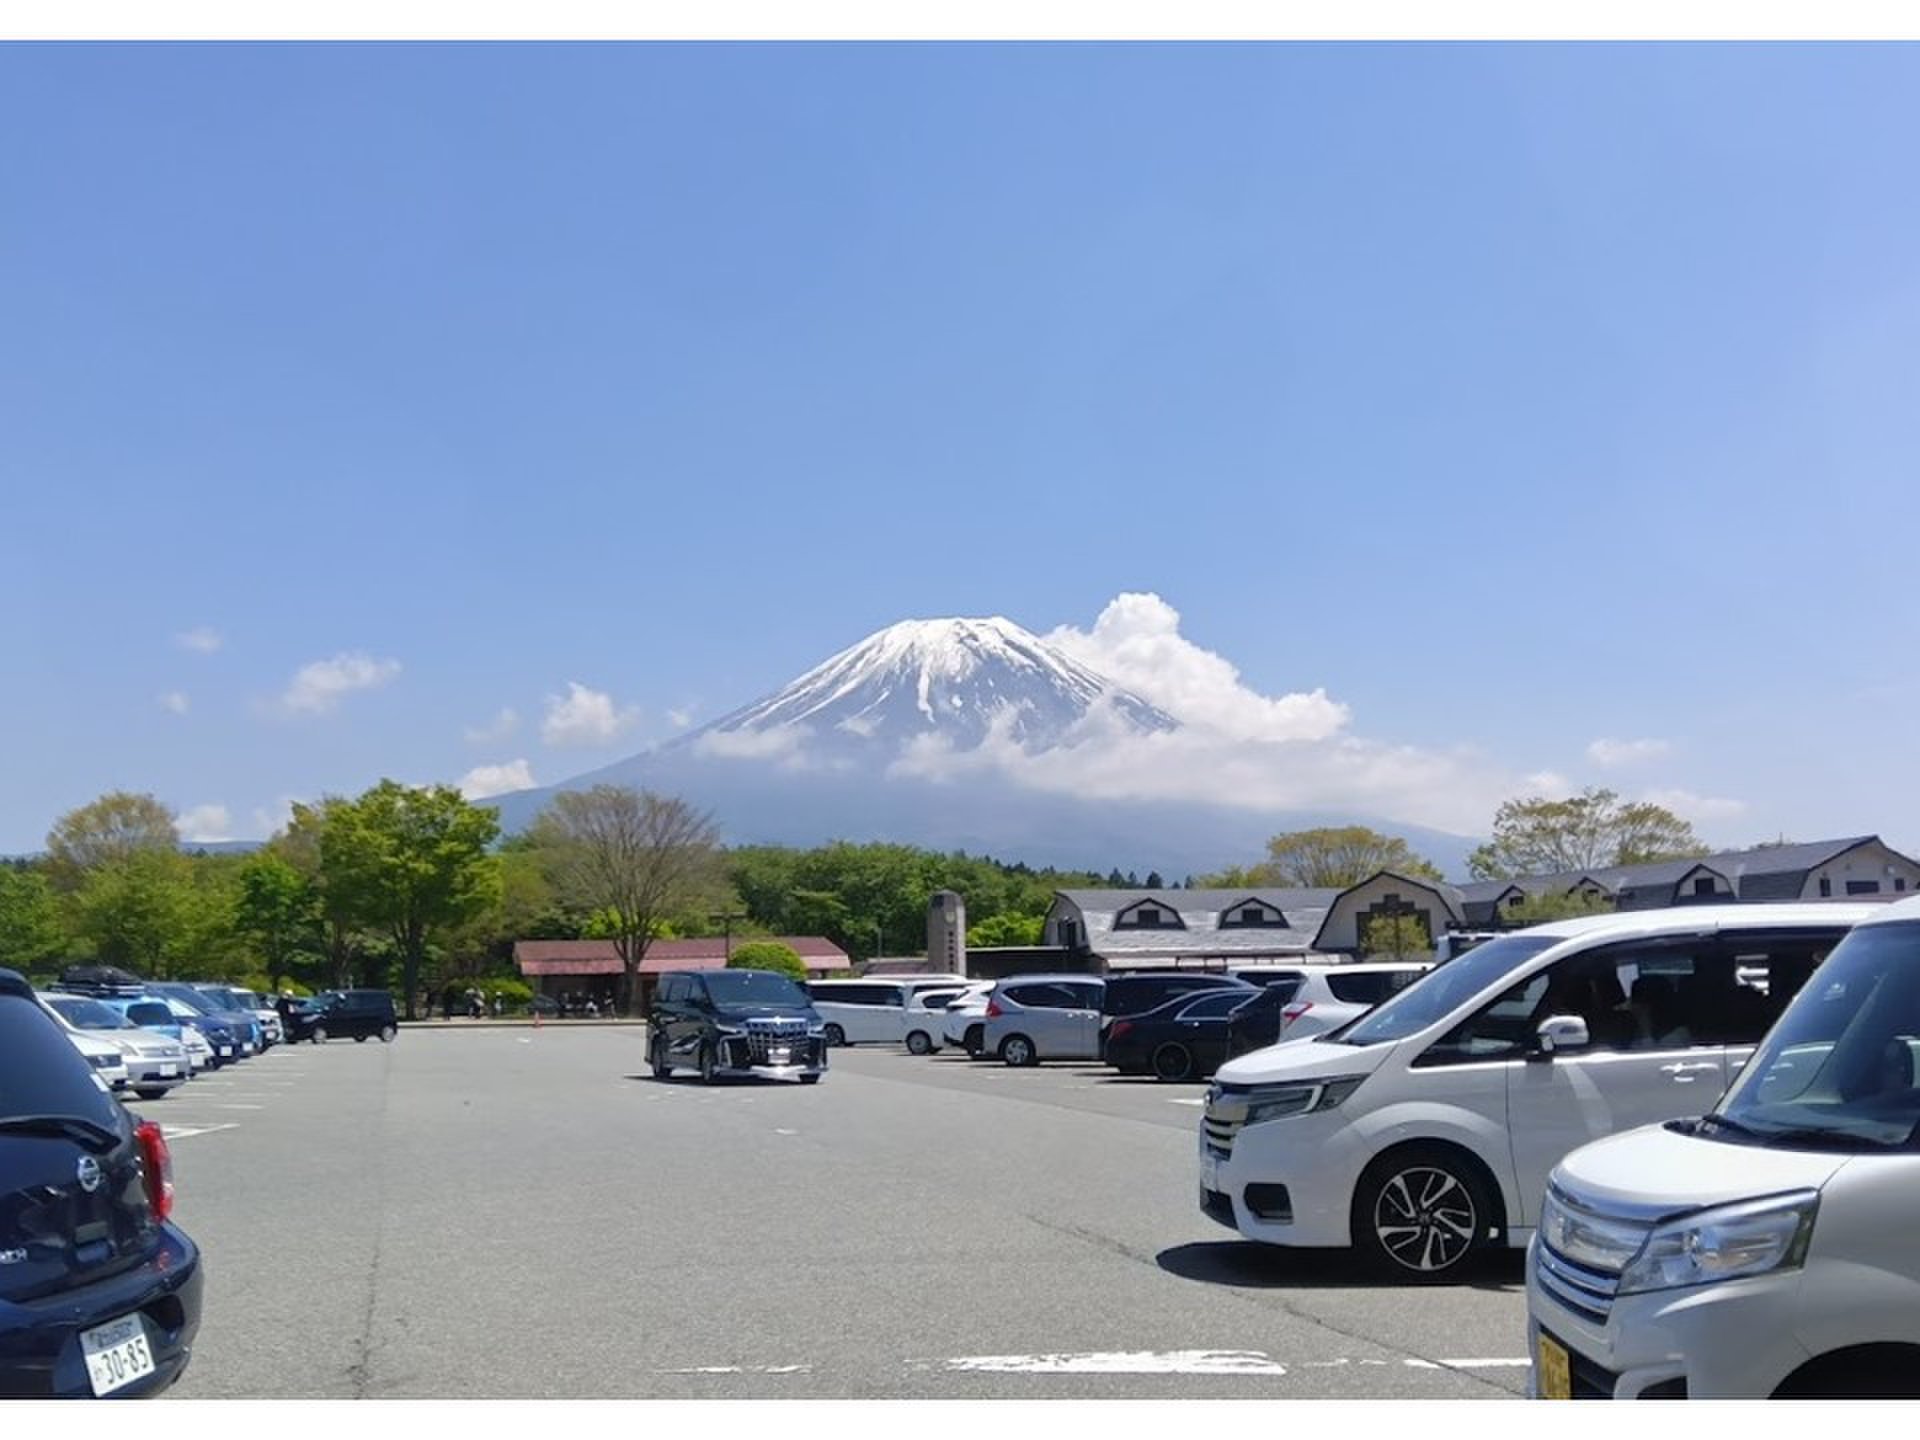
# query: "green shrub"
(768, 955)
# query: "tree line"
(413, 888)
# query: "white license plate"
(167, 1072)
(778, 1056)
(1209, 1172)
(225, 1051)
(116, 1353)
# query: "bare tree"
(631, 855)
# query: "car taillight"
(993, 1009)
(158, 1165)
(1119, 1028)
(1293, 1012)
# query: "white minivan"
(1767, 1247)
(1427, 1127)
(883, 1010)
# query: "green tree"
(1566, 905)
(1005, 930)
(1330, 858)
(131, 911)
(279, 913)
(411, 861)
(1588, 831)
(343, 945)
(638, 856)
(769, 955)
(31, 937)
(1400, 936)
(113, 830)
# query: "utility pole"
(725, 919)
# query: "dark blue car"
(99, 1290)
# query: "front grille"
(1226, 1112)
(763, 1034)
(1586, 1292)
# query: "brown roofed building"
(560, 967)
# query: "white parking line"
(183, 1132)
(1124, 1362)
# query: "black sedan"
(1183, 1039)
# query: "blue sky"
(1519, 398)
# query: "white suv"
(1426, 1128)
(1767, 1247)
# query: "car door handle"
(1683, 1072)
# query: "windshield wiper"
(73, 1127)
(1818, 1138)
(1714, 1117)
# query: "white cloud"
(585, 717)
(504, 724)
(318, 688)
(681, 718)
(485, 780)
(271, 819)
(206, 823)
(1612, 754)
(1137, 642)
(174, 701)
(784, 743)
(203, 638)
(1703, 809)
(1455, 790)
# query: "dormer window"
(1251, 912)
(1148, 915)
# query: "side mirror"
(1561, 1032)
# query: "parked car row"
(1177, 1025)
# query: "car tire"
(809, 1079)
(657, 1058)
(319, 1034)
(150, 1092)
(1018, 1051)
(1419, 1214)
(1173, 1061)
(359, 1039)
(708, 1064)
(975, 1043)
(919, 1043)
(387, 1032)
(836, 1037)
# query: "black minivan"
(99, 1290)
(362, 1014)
(735, 1022)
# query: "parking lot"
(516, 1212)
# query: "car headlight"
(1725, 1243)
(1283, 1101)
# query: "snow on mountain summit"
(953, 678)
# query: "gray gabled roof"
(1207, 901)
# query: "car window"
(1215, 1003)
(40, 1071)
(1369, 987)
(149, 1012)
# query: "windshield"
(89, 1014)
(1841, 1066)
(753, 987)
(1438, 993)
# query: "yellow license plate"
(1556, 1377)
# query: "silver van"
(1031, 1018)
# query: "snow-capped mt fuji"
(955, 679)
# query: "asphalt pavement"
(502, 1212)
